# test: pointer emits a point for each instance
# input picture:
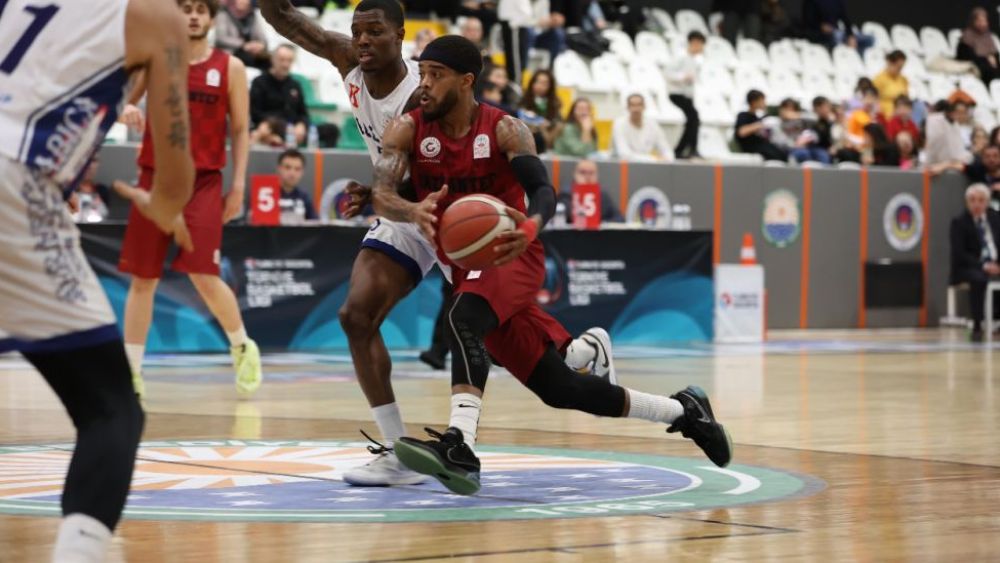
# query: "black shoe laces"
(380, 449)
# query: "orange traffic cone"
(748, 256)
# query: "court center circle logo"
(296, 481)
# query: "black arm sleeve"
(534, 178)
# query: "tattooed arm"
(306, 33)
(390, 168)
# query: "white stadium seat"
(621, 44)
(919, 90)
(652, 46)
(905, 38)
(713, 144)
(881, 35)
(954, 36)
(914, 68)
(720, 50)
(995, 91)
(783, 54)
(663, 19)
(816, 57)
(985, 117)
(935, 43)
(714, 110)
(309, 65)
(784, 83)
(330, 89)
(941, 86)
(815, 82)
(847, 61)
(844, 83)
(714, 77)
(690, 20)
(571, 70)
(752, 52)
(974, 87)
(647, 76)
(609, 74)
(751, 78)
(874, 61)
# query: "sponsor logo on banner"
(730, 300)
(782, 221)
(903, 222)
(481, 147)
(649, 206)
(273, 280)
(301, 481)
(430, 147)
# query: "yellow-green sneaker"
(246, 361)
(138, 384)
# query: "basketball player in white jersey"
(64, 65)
(394, 256)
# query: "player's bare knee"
(144, 285)
(357, 322)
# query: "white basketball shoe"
(383, 471)
(604, 363)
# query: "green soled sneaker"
(138, 384)
(698, 424)
(447, 458)
(246, 361)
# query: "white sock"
(654, 408)
(82, 539)
(389, 422)
(238, 337)
(465, 409)
(135, 353)
(579, 354)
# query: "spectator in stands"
(944, 138)
(879, 150)
(517, 21)
(88, 202)
(775, 23)
(890, 83)
(902, 119)
(962, 113)
(270, 133)
(826, 22)
(238, 30)
(797, 136)
(975, 237)
(552, 37)
(579, 136)
(510, 93)
(682, 72)
(420, 40)
(491, 94)
(977, 46)
(291, 163)
(907, 148)
(751, 133)
(986, 170)
(739, 16)
(980, 140)
(471, 28)
(995, 136)
(541, 109)
(634, 137)
(584, 174)
(277, 94)
(826, 120)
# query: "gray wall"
(830, 286)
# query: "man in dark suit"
(975, 236)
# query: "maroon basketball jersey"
(473, 164)
(208, 104)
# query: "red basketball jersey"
(208, 104)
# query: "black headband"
(447, 57)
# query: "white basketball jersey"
(62, 81)
(374, 115)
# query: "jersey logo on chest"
(481, 147)
(213, 78)
(430, 147)
(353, 94)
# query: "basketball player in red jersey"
(452, 141)
(219, 104)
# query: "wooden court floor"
(850, 446)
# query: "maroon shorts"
(525, 330)
(145, 246)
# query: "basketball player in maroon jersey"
(453, 147)
(219, 105)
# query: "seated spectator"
(980, 140)
(890, 83)
(962, 113)
(995, 136)
(471, 28)
(633, 137)
(541, 110)
(584, 174)
(682, 72)
(88, 202)
(826, 22)
(986, 170)
(775, 23)
(509, 92)
(277, 94)
(974, 237)
(902, 119)
(739, 17)
(295, 204)
(238, 30)
(579, 136)
(422, 38)
(751, 133)
(490, 93)
(270, 133)
(797, 136)
(552, 37)
(944, 139)
(865, 112)
(879, 150)
(907, 148)
(826, 121)
(977, 46)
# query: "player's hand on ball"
(361, 197)
(143, 202)
(233, 207)
(513, 243)
(424, 216)
(133, 117)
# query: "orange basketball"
(469, 229)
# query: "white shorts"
(405, 244)
(50, 299)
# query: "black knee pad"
(560, 387)
(470, 319)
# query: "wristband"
(530, 228)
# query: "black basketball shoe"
(447, 458)
(698, 424)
